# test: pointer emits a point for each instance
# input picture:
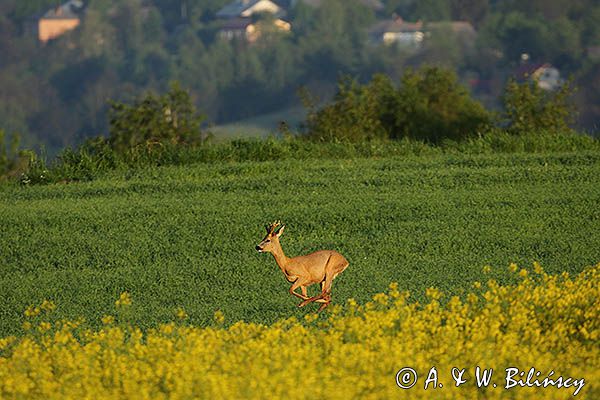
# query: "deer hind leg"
(325, 295)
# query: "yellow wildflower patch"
(531, 334)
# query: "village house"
(59, 20)
(250, 31)
(546, 76)
(248, 8)
(413, 34)
(397, 31)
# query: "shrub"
(171, 118)
(430, 105)
(356, 113)
(531, 109)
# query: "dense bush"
(529, 108)
(153, 119)
(429, 105)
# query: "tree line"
(56, 94)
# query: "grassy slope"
(185, 236)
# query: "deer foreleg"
(296, 285)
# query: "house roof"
(396, 25)
(234, 24)
(237, 7)
(526, 70)
(68, 10)
(460, 27)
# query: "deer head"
(274, 231)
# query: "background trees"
(56, 94)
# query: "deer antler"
(272, 227)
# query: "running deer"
(302, 271)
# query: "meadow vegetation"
(185, 235)
(543, 321)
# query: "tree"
(429, 105)
(358, 112)
(473, 11)
(433, 106)
(168, 118)
(528, 109)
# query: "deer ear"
(280, 231)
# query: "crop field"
(184, 236)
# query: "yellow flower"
(381, 298)
(32, 311)
(108, 319)
(433, 293)
(44, 326)
(477, 285)
(523, 273)
(181, 314)
(48, 306)
(513, 267)
(311, 317)
(219, 317)
(123, 300)
(487, 269)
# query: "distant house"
(413, 34)
(250, 31)
(247, 8)
(546, 76)
(59, 20)
(397, 31)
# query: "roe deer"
(302, 271)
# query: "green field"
(185, 236)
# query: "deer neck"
(280, 257)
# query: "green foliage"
(12, 161)
(430, 105)
(355, 113)
(170, 118)
(433, 106)
(6, 153)
(531, 109)
(158, 232)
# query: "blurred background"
(244, 61)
